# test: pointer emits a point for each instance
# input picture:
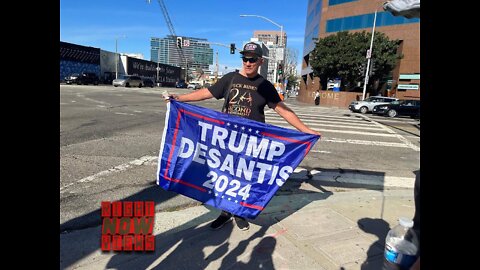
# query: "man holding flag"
(246, 93)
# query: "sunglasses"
(250, 60)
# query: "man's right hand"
(170, 96)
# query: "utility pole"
(216, 67)
(158, 62)
(116, 55)
(369, 56)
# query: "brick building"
(326, 17)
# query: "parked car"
(127, 81)
(367, 104)
(82, 78)
(72, 78)
(181, 84)
(148, 82)
(194, 86)
(398, 108)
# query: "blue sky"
(97, 23)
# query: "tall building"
(273, 42)
(271, 36)
(326, 17)
(197, 52)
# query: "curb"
(353, 178)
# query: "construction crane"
(172, 32)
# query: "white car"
(127, 81)
(194, 86)
(367, 105)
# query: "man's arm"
(293, 119)
(197, 95)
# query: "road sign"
(186, 42)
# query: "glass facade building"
(198, 53)
(327, 17)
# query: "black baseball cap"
(252, 47)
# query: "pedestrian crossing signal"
(179, 42)
(232, 48)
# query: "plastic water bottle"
(401, 246)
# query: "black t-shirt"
(247, 97)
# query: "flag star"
(216, 194)
(243, 128)
(209, 192)
(229, 198)
(257, 131)
(222, 196)
(235, 126)
(236, 201)
(228, 124)
(250, 130)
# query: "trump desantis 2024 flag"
(229, 162)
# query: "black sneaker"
(220, 221)
(242, 223)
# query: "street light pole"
(369, 56)
(158, 62)
(116, 59)
(280, 44)
(116, 55)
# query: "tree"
(293, 81)
(291, 56)
(343, 55)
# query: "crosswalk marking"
(331, 121)
(316, 123)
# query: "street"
(110, 138)
(354, 183)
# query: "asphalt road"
(110, 138)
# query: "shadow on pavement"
(185, 246)
(152, 193)
(341, 177)
(93, 219)
(379, 228)
(189, 243)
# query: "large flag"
(229, 162)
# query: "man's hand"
(314, 132)
(173, 96)
(167, 96)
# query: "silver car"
(367, 104)
(127, 81)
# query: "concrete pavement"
(317, 222)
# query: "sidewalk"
(307, 225)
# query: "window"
(338, 2)
(366, 21)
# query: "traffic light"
(232, 48)
(280, 69)
(179, 42)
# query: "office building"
(272, 42)
(327, 17)
(196, 51)
(271, 36)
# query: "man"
(246, 93)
